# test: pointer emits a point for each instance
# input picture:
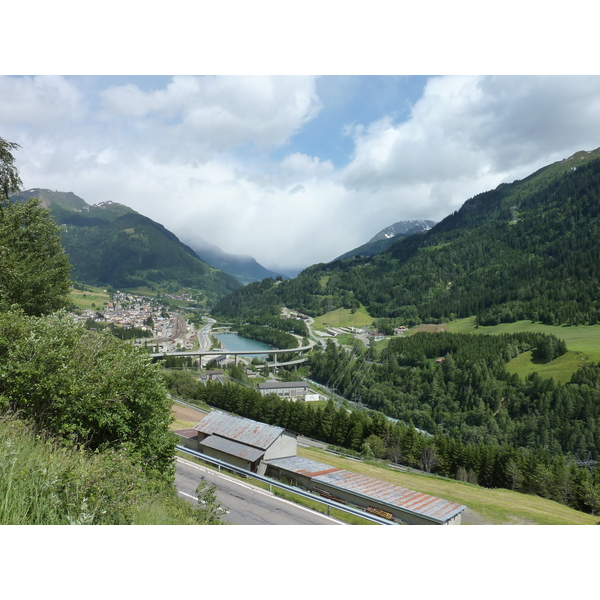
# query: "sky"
(281, 150)
(292, 170)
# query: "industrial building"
(271, 451)
(408, 506)
(238, 441)
(289, 390)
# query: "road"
(246, 504)
(204, 340)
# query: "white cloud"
(194, 117)
(467, 134)
(39, 103)
(298, 163)
(194, 155)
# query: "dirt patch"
(470, 517)
(185, 414)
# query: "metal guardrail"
(288, 488)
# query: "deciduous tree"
(34, 269)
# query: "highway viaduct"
(235, 354)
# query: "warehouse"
(240, 442)
(293, 390)
(408, 506)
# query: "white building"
(290, 390)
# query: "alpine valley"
(526, 250)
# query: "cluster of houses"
(127, 310)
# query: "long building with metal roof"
(406, 505)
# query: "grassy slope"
(583, 343)
(342, 317)
(84, 300)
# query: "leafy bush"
(88, 389)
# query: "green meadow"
(583, 344)
(91, 297)
(343, 317)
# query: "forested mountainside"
(528, 249)
(111, 244)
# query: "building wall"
(404, 516)
(286, 392)
(187, 443)
(228, 458)
(285, 445)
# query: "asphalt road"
(246, 504)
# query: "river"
(236, 343)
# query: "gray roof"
(302, 466)
(424, 505)
(232, 448)
(420, 504)
(238, 429)
(278, 385)
(187, 433)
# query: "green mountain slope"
(244, 268)
(111, 244)
(528, 249)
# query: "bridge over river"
(237, 353)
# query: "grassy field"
(485, 506)
(583, 344)
(141, 291)
(343, 317)
(84, 299)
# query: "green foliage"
(273, 337)
(209, 507)
(44, 483)
(287, 325)
(10, 181)
(88, 389)
(34, 270)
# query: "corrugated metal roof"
(280, 385)
(416, 502)
(238, 429)
(302, 466)
(187, 433)
(405, 499)
(232, 448)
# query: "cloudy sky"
(292, 170)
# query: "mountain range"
(111, 244)
(525, 250)
(243, 267)
(386, 237)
